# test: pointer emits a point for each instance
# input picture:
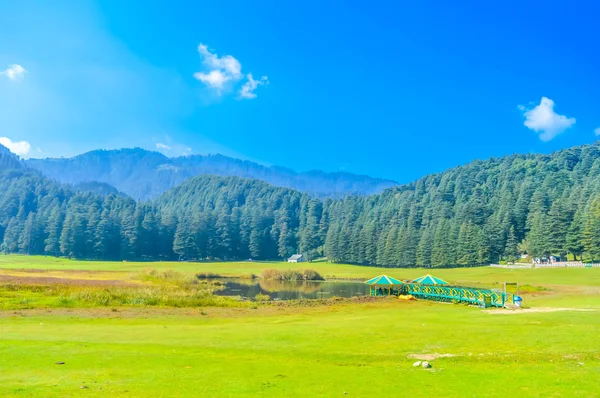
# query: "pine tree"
(107, 237)
(168, 225)
(29, 241)
(53, 231)
(284, 243)
(368, 236)
(539, 244)
(468, 247)
(184, 242)
(591, 231)
(557, 227)
(129, 235)
(11, 236)
(494, 234)
(424, 248)
(331, 248)
(574, 238)
(256, 240)
(148, 236)
(310, 239)
(443, 250)
(390, 254)
(511, 251)
(223, 235)
(73, 242)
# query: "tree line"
(482, 212)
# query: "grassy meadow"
(469, 276)
(193, 344)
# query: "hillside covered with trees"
(145, 175)
(473, 214)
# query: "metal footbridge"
(456, 294)
(429, 287)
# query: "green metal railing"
(458, 294)
(450, 294)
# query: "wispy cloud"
(161, 146)
(170, 147)
(247, 90)
(20, 148)
(14, 72)
(597, 131)
(223, 73)
(543, 120)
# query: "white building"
(296, 258)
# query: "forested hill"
(206, 217)
(477, 213)
(145, 175)
(473, 214)
(8, 160)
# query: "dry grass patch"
(291, 274)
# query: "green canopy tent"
(430, 280)
(381, 282)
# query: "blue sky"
(389, 89)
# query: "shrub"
(262, 297)
(165, 276)
(291, 274)
(208, 275)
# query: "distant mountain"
(145, 174)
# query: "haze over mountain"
(144, 174)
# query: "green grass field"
(479, 275)
(354, 348)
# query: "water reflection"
(288, 290)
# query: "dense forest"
(145, 175)
(482, 212)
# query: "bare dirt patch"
(429, 357)
(258, 310)
(47, 271)
(538, 309)
(44, 280)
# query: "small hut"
(296, 258)
(430, 280)
(384, 285)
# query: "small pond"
(288, 290)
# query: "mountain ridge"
(144, 174)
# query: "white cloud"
(214, 78)
(223, 72)
(247, 90)
(20, 148)
(219, 70)
(170, 147)
(543, 120)
(226, 63)
(162, 146)
(597, 131)
(14, 72)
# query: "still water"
(287, 290)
